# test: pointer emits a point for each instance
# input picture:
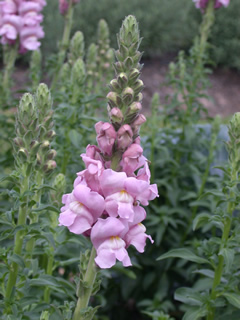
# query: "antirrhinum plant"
(26, 146)
(105, 204)
(66, 8)
(216, 294)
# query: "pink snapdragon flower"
(63, 5)
(106, 237)
(202, 4)
(106, 136)
(82, 209)
(10, 28)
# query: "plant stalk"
(86, 291)
(18, 243)
(64, 43)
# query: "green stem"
(49, 272)
(225, 236)
(85, 292)
(18, 243)
(64, 43)
(10, 55)
(31, 243)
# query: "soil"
(224, 89)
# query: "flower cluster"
(106, 204)
(64, 4)
(21, 19)
(202, 4)
(107, 199)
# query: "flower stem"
(18, 238)
(49, 272)
(31, 243)
(10, 55)
(225, 235)
(64, 43)
(85, 290)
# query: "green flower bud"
(65, 73)
(138, 86)
(77, 47)
(78, 74)
(49, 166)
(114, 85)
(34, 147)
(51, 154)
(127, 95)
(43, 101)
(114, 99)
(134, 74)
(103, 32)
(139, 97)
(27, 109)
(45, 144)
(129, 32)
(92, 58)
(122, 79)
(22, 155)
(18, 142)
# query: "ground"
(225, 86)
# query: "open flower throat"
(108, 196)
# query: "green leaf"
(44, 280)
(195, 313)
(188, 296)
(228, 255)
(233, 298)
(17, 259)
(184, 254)
(46, 207)
(75, 138)
(200, 220)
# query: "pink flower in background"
(10, 28)
(63, 5)
(21, 19)
(106, 237)
(29, 37)
(202, 4)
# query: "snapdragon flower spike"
(117, 172)
(202, 4)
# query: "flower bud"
(49, 166)
(51, 134)
(114, 99)
(45, 144)
(34, 146)
(78, 74)
(135, 107)
(18, 141)
(51, 154)
(77, 47)
(139, 97)
(134, 74)
(128, 95)
(116, 115)
(122, 79)
(114, 85)
(124, 137)
(137, 123)
(138, 86)
(22, 154)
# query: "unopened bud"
(134, 74)
(18, 141)
(114, 85)
(138, 86)
(51, 134)
(116, 115)
(77, 46)
(122, 79)
(45, 144)
(51, 154)
(135, 107)
(78, 73)
(49, 166)
(139, 97)
(22, 154)
(34, 147)
(114, 99)
(128, 95)
(124, 137)
(137, 123)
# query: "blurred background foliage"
(166, 26)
